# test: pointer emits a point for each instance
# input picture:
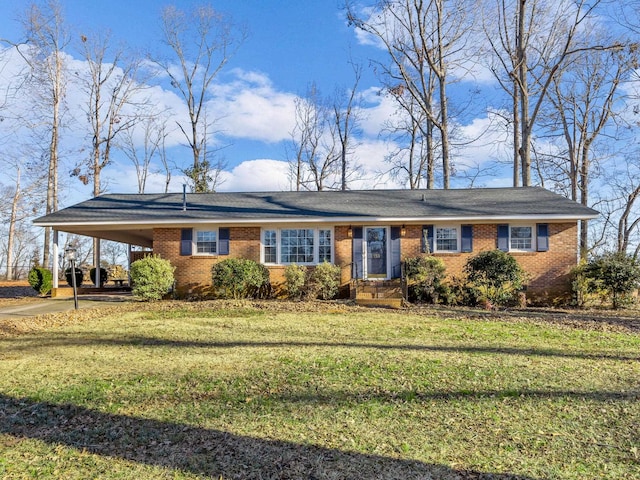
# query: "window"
(206, 242)
(296, 245)
(270, 246)
(446, 239)
(324, 246)
(521, 238)
(308, 246)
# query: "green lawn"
(183, 391)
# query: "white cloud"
(250, 107)
(257, 175)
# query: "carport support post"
(54, 266)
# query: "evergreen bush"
(294, 280)
(151, 278)
(425, 275)
(79, 276)
(103, 276)
(41, 280)
(614, 274)
(240, 278)
(497, 277)
(324, 281)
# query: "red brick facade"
(548, 271)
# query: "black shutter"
(396, 271)
(186, 241)
(503, 238)
(467, 238)
(357, 253)
(427, 239)
(542, 237)
(223, 241)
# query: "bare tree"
(532, 42)
(111, 86)
(202, 41)
(314, 139)
(583, 96)
(47, 38)
(423, 40)
(346, 113)
(413, 161)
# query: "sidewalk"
(50, 305)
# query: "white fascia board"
(332, 220)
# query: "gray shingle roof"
(478, 204)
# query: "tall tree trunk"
(516, 135)
(12, 227)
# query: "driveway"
(51, 305)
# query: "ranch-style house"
(367, 233)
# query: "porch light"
(350, 232)
(403, 231)
(70, 253)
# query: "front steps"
(386, 293)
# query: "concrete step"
(380, 302)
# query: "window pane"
(447, 239)
(521, 238)
(324, 246)
(270, 247)
(296, 245)
(206, 242)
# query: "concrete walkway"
(52, 305)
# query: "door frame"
(365, 247)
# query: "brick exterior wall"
(548, 271)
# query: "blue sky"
(290, 44)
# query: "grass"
(189, 391)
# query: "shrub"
(69, 278)
(497, 277)
(324, 281)
(294, 280)
(151, 278)
(241, 278)
(425, 275)
(579, 285)
(615, 274)
(41, 280)
(103, 276)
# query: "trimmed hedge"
(41, 280)
(151, 278)
(103, 276)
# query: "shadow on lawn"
(82, 340)
(205, 451)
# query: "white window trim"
(458, 240)
(316, 244)
(533, 237)
(194, 241)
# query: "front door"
(375, 253)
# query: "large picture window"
(296, 245)
(306, 246)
